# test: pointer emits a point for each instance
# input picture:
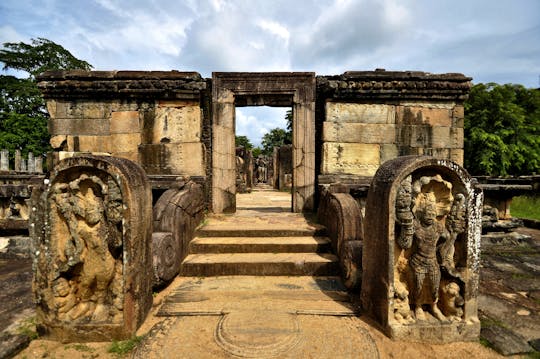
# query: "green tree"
(244, 142)
(39, 56)
(23, 116)
(502, 130)
(275, 138)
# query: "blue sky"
(489, 40)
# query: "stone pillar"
(224, 159)
(17, 160)
(303, 157)
(4, 160)
(31, 163)
(24, 168)
(275, 165)
(421, 252)
(92, 267)
(39, 164)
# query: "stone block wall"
(151, 118)
(372, 117)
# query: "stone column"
(303, 190)
(223, 153)
(4, 160)
(39, 164)
(31, 163)
(24, 167)
(17, 160)
(93, 271)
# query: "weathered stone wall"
(372, 117)
(152, 118)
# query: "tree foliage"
(39, 56)
(502, 130)
(23, 117)
(275, 138)
(243, 141)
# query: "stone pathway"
(271, 303)
(284, 316)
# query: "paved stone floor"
(262, 328)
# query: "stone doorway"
(237, 89)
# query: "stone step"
(259, 244)
(259, 231)
(283, 264)
(225, 294)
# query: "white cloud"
(255, 122)
(492, 40)
(274, 28)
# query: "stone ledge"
(121, 84)
(394, 85)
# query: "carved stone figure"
(455, 225)
(84, 204)
(423, 261)
(91, 230)
(423, 216)
(452, 301)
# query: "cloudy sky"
(489, 40)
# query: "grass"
(28, 328)
(123, 347)
(526, 207)
(486, 343)
(80, 347)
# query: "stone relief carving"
(88, 283)
(429, 221)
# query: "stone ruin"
(92, 259)
(422, 255)
(174, 131)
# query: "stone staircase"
(274, 243)
(261, 258)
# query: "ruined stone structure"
(421, 257)
(92, 249)
(180, 125)
(177, 123)
(176, 214)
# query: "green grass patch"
(486, 343)
(526, 207)
(523, 276)
(486, 322)
(80, 347)
(534, 355)
(28, 328)
(123, 347)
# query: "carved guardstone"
(91, 227)
(421, 250)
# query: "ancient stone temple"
(92, 249)
(178, 123)
(421, 257)
(402, 228)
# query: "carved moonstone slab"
(421, 250)
(91, 228)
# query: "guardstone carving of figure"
(89, 258)
(429, 220)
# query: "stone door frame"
(231, 89)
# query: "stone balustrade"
(31, 164)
